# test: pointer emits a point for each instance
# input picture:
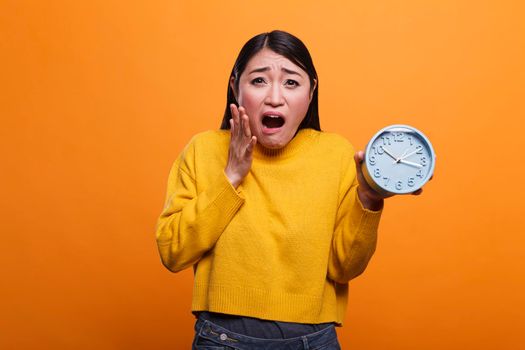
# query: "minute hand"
(410, 163)
(408, 155)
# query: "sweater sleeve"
(191, 222)
(355, 232)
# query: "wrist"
(234, 180)
(370, 201)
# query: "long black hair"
(292, 48)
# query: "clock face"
(399, 159)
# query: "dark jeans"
(209, 336)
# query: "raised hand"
(241, 146)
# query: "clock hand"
(410, 163)
(411, 153)
(401, 156)
(390, 154)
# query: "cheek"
(250, 100)
(249, 106)
(251, 103)
(300, 104)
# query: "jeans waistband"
(219, 335)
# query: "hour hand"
(410, 163)
(390, 154)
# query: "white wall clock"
(399, 159)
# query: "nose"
(274, 97)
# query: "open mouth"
(272, 121)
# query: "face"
(276, 94)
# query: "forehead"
(269, 58)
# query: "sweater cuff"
(224, 196)
(362, 206)
(368, 218)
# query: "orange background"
(97, 98)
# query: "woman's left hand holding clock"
(370, 199)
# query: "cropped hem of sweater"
(283, 245)
(259, 328)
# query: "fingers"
(418, 192)
(240, 123)
(232, 126)
(251, 145)
(245, 123)
(234, 112)
(241, 135)
(241, 147)
(359, 156)
(234, 121)
(240, 132)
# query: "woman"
(273, 214)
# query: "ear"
(313, 89)
(232, 86)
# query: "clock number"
(386, 140)
(398, 136)
(378, 150)
(377, 173)
(372, 160)
(419, 173)
(399, 185)
(419, 149)
(411, 181)
(410, 140)
(386, 180)
(423, 161)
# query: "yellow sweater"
(284, 244)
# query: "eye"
(257, 81)
(291, 82)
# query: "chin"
(272, 146)
(269, 145)
(275, 143)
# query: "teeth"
(272, 116)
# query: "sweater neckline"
(301, 139)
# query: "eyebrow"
(264, 69)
